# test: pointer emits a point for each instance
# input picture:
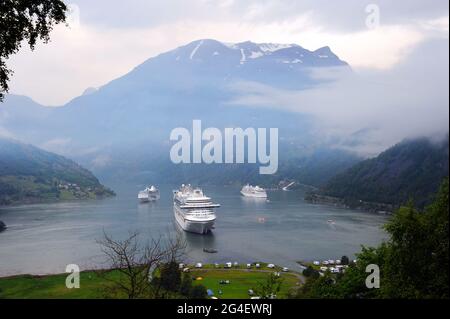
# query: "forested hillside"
(29, 174)
(412, 169)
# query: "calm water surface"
(44, 238)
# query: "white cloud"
(101, 161)
(5, 133)
(380, 48)
(439, 24)
(105, 46)
(59, 145)
(369, 111)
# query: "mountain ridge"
(140, 108)
(29, 174)
(413, 168)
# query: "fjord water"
(44, 238)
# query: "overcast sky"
(107, 38)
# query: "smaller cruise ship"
(149, 194)
(253, 191)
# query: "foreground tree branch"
(22, 20)
(136, 261)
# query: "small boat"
(210, 250)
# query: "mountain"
(29, 174)
(195, 81)
(124, 126)
(410, 169)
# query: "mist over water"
(44, 238)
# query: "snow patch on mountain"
(230, 45)
(272, 47)
(195, 50)
(255, 55)
(243, 58)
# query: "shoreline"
(226, 283)
(358, 205)
(51, 201)
(205, 267)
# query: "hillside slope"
(411, 169)
(29, 174)
(121, 129)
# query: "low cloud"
(110, 38)
(59, 145)
(101, 161)
(348, 15)
(4, 133)
(371, 110)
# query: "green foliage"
(311, 272)
(29, 174)
(411, 169)
(25, 20)
(345, 260)
(414, 263)
(352, 284)
(418, 262)
(186, 285)
(198, 292)
(320, 287)
(170, 277)
(269, 288)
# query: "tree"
(269, 288)
(198, 292)
(418, 262)
(414, 262)
(170, 276)
(310, 272)
(318, 287)
(186, 285)
(136, 261)
(28, 20)
(345, 260)
(438, 221)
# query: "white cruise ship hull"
(145, 198)
(254, 195)
(193, 226)
(153, 197)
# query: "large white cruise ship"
(253, 191)
(149, 194)
(194, 211)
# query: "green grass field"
(93, 286)
(53, 286)
(240, 282)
